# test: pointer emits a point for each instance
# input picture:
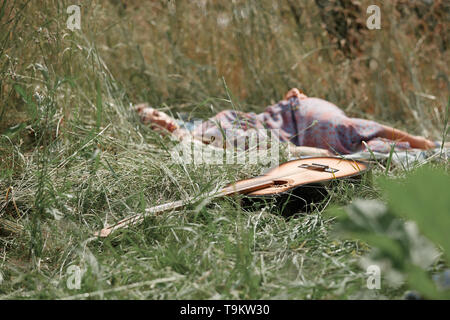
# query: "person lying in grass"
(311, 126)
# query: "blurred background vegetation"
(181, 53)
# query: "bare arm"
(299, 151)
(398, 135)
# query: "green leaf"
(419, 280)
(423, 197)
(388, 248)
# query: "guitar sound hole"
(280, 183)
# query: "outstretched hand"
(294, 92)
(301, 151)
(422, 143)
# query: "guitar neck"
(153, 211)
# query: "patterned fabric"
(310, 122)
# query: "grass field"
(73, 157)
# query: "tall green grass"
(77, 158)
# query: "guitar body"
(298, 183)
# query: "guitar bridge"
(318, 167)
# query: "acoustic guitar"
(284, 179)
